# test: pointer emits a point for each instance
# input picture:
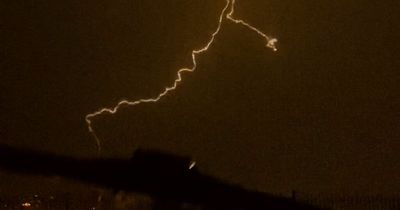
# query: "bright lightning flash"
(230, 4)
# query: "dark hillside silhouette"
(163, 176)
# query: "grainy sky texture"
(320, 115)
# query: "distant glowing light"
(192, 165)
(230, 5)
(26, 204)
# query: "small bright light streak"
(226, 13)
(26, 204)
(192, 164)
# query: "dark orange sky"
(320, 115)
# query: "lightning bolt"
(226, 13)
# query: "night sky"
(322, 114)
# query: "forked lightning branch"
(226, 14)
